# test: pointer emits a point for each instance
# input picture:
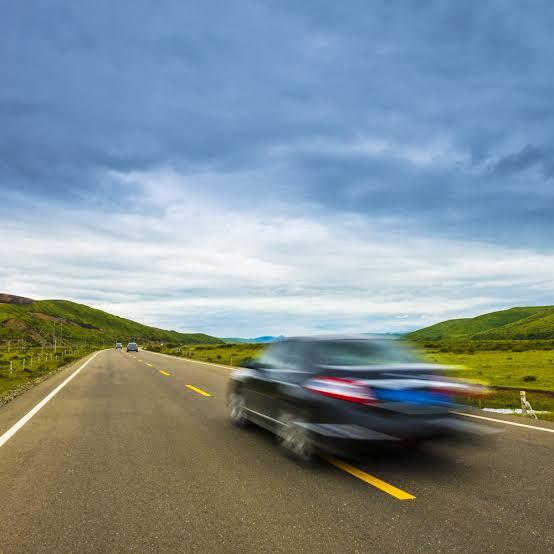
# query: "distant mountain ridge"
(37, 321)
(258, 340)
(520, 323)
(270, 339)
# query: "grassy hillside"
(511, 350)
(36, 321)
(528, 323)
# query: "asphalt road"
(126, 458)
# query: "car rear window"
(361, 353)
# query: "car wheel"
(237, 409)
(295, 439)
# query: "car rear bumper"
(341, 438)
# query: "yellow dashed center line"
(139, 359)
(199, 391)
(165, 373)
(382, 485)
(150, 365)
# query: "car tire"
(295, 439)
(236, 406)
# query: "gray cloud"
(527, 158)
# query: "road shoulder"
(32, 393)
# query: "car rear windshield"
(361, 353)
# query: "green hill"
(36, 321)
(527, 323)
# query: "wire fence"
(18, 366)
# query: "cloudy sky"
(261, 167)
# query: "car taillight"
(342, 388)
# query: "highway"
(135, 454)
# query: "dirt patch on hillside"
(13, 299)
(15, 324)
(44, 317)
(18, 325)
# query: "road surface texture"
(127, 458)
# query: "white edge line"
(17, 426)
(505, 422)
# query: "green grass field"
(531, 371)
(18, 367)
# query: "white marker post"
(525, 405)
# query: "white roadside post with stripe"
(525, 406)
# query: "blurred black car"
(132, 347)
(339, 394)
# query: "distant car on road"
(132, 347)
(340, 394)
(118, 346)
